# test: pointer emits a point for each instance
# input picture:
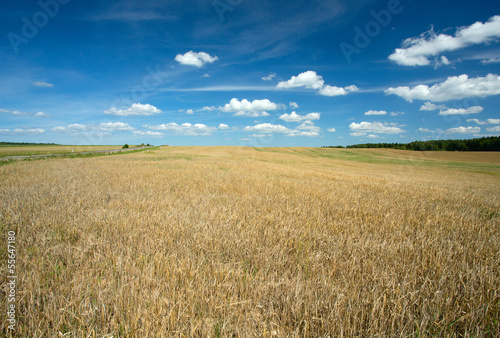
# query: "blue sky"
(251, 73)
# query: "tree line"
(491, 143)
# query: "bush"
(125, 146)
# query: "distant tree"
(125, 146)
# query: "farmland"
(22, 150)
(264, 242)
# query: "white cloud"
(294, 117)
(136, 109)
(190, 111)
(332, 91)
(42, 114)
(445, 61)
(307, 128)
(79, 128)
(425, 130)
(223, 126)
(186, 129)
(363, 128)
(488, 121)
(495, 129)
(416, 51)
(462, 111)
(332, 130)
(307, 79)
(372, 136)
(454, 88)
(490, 61)
(195, 59)
(255, 108)
(23, 131)
(114, 126)
(20, 113)
(269, 77)
(148, 133)
(267, 128)
(429, 106)
(396, 113)
(312, 80)
(212, 108)
(463, 130)
(376, 112)
(294, 105)
(42, 84)
(206, 75)
(260, 135)
(72, 128)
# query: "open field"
(20, 150)
(264, 242)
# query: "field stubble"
(240, 242)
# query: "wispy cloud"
(42, 84)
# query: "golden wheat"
(229, 241)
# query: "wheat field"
(265, 242)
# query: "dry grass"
(208, 242)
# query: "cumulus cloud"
(195, 59)
(488, 121)
(312, 80)
(376, 112)
(294, 117)
(363, 128)
(490, 61)
(32, 131)
(269, 77)
(190, 111)
(42, 84)
(417, 51)
(425, 130)
(76, 128)
(267, 128)
(495, 129)
(114, 126)
(429, 106)
(337, 91)
(462, 111)
(223, 126)
(306, 128)
(332, 130)
(186, 129)
(454, 88)
(72, 128)
(135, 109)
(463, 130)
(212, 108)
(309, 79)
(148, 133)
(255, 108)
(294, 105)
(20, 113)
